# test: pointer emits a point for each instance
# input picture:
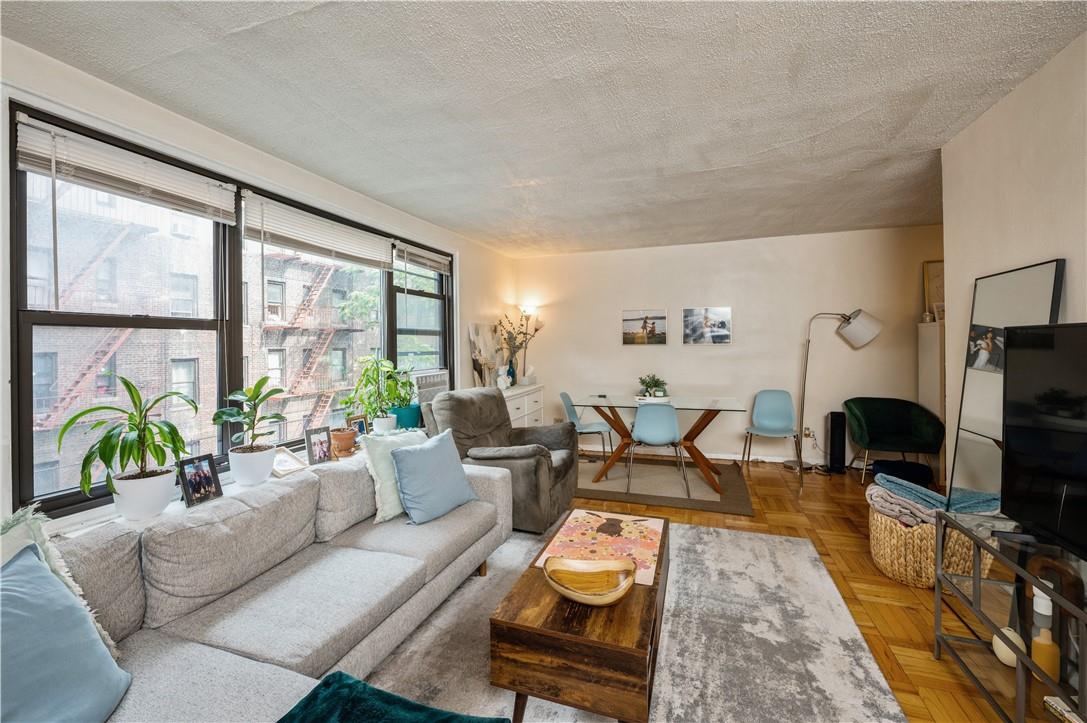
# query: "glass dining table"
(608, 406)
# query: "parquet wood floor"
(896, 620)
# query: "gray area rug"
(653, 482)
(754, 630)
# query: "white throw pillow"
(379, 460)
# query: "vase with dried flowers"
(514, 337)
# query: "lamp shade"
(860, 328)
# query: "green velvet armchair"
(881, 424)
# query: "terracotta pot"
(343, 441)
(145, 497)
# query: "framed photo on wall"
(319, 445)
(933, 273)
(707, 325)
(199, 479)
(645, 326)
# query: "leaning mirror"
(1020, 297)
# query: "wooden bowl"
(592, 582)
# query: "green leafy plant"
(650, 382)
(248, 414)
(379, 388)
(134, 440)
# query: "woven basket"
(908, 554)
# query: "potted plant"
(515, 336)
(136, 442)
(344, 438)
(250, 463)
(384, 394)
(653, 386)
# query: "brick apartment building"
(306, 319)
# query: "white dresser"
(525, 404)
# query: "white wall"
(1015, 193)
(773, 286)
(484, 280)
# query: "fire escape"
(301, 385)
(107, 346)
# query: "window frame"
(444, 334)
(195, 361)
(194, 279)
(228, 318)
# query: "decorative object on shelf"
(1018, 297)
(933, 274)
(652, 384)
(528, 376)
(286, 462)
(707, 325)
(486, 353)
(591, 582)
(858, 328)
(199, 479)
(515, 336)
(135, 440)
(502, 381)
(319, 445)
(645, 326)
(385, 395)
(1003, 653)
(250, 463)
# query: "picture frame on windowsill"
(199, 480)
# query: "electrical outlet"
(808, 432)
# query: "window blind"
(276, 223)
(41, 148)
(423, 258)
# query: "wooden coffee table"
(599, 659)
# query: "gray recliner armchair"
(542, 460)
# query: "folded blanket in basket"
(962, 500)
(908, 512)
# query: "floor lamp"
(857, 328)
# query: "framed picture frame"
(642, 327)
(707, 325)
(286, 462)
(319, 445)
(199, 479)
(359, 422)
(933, 276)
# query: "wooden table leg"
(708, 469)
(520, 700)
(611, 416)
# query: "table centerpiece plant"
(650, 384)
(136, 441)
(250, 462)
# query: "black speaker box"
(836, 442)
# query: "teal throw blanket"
(965, 501)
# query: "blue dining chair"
(773, 415)
(600, 428)
(656, 425)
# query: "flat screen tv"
(1044, 482)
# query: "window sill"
(81, 522)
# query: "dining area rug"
(754, 630)
(659, 482)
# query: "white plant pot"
(143, 498)
(251, 468)
(385, 425)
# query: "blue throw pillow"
(430, 478)
(53, 664)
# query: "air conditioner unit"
(429, 384)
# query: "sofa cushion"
(195, 557)
(380, 462)
(105, 562)
(346, 496)
(179, 680)
(431, 479)
(306, 613)
(437, 543)
(561, 463)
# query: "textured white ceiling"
(542, 128)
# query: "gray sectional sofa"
(233, 609)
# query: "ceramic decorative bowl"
(592, 582)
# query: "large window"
(129, 263)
